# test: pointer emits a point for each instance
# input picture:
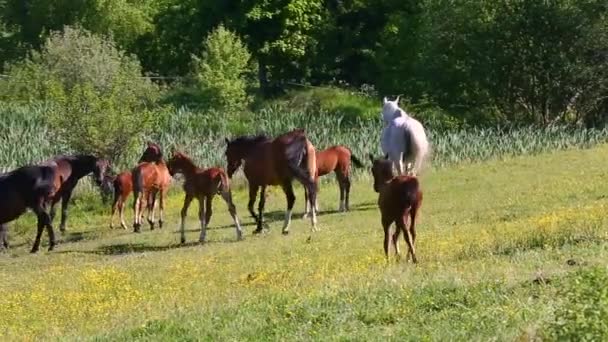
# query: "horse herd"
(266, 162)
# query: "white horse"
(403, 139)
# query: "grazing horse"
(400, 197)
(68, 171)
(149, 179)
(337, 159)
(403, 139)
(27, 187)
(275, 162)
(122, 186)
(202, 184)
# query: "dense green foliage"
(223, 73)
(487, 61)
(97, 100)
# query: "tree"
(224, 71)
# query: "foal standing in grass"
(337, 159)
(400, 198)
(202, 184)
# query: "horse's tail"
(138, 181)
(300, 153)
(223, 182)
(418, 146)
(45, 184)
(356, 161)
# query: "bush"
(584, 314)
(99, 101)
(224, 72)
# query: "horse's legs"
(412, 230)
(65, 201)
(340, 179)
(182, 227)
(137, 208)
(209, 208)
(386, 225)
(291, 199)
(402, 225)
(161, 207)
(306, 206)
(261, 209)
(347, 193)
(151, 206)
(121, 212)
(312, 198)
(396, 244)
(253, 193)
(3, 236)
(227, 196)
(44, 220)
(115, 206)
(202, 217)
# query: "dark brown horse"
(27, 187)
(149, 179)
(335, 159)
(122, 186)
(400, 198)
(275, 162)
(202, 184)
(68, 171)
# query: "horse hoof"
(34, 250)
(257, 231)
(160, 224)
(285, 232)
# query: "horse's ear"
(371, 158)
(386, 156)
(227, 141)
(397, 100)
(384, 100)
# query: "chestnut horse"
(400, 197)
(27, 187)
(337, 159)
(202, 184)
(275, 162)
(149, 179)
(68, 171)
(122, 186)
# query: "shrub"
(97, 98)
(223, 73)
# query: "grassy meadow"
(510, 249)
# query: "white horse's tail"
(420, 148)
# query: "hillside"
(498, 243)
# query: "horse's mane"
(250, 139)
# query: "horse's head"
(152, 153)
(382, 170)
(178, 163)
(389, 108)
(234, 156)
(101, 170)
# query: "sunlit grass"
(495, 240)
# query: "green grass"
(496, 243)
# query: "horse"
(149, 179)
(202, 184)
(399, 197)
(68, 171)
(122, 186)
(403, 139)
(30, 187)
(275, 162)
(337, 159)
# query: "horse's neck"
(189, 168)
(82, 166)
